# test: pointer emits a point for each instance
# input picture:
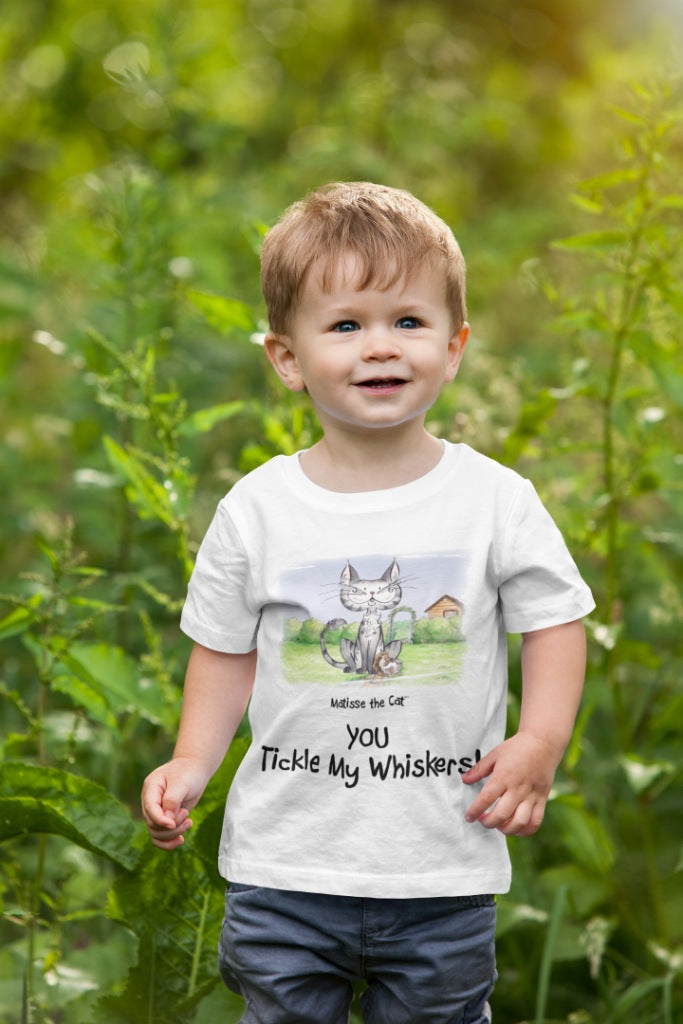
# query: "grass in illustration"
(433, 656)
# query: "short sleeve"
(539, 583)
(218, 612)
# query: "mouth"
(383, 384)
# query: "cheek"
(323, 369)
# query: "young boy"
(358, 594)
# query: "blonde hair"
(387, 230)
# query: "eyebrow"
(406, 305)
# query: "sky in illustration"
(423, 580)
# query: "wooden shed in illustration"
(446, 607)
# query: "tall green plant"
(617, 424)
(90, 690)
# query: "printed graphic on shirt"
(376, 619)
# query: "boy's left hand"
(521, 771)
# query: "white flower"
(181, 267)
(57, 347)
(653, 414)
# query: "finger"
(526, 823)
(158, 818)
(483, 802)
(479, 770)
(500, 814)
(152, 807)
(175, 826)
(168, 844)
(166, 835)
(175, 798)
(517, 822)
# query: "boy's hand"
(521, 771)
(168, 795)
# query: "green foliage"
(143, 151)
(612, 811)
(174, 907)
(310, 631)
(437, 631)
(38, 799)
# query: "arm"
(217, 690)
(521, 770)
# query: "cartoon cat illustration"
(372, 597)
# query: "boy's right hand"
(168, 795)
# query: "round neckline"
(370, 501)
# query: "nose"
(380, 345)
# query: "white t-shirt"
(380, 620)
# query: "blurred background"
(144, 149)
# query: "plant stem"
(554, 923)
(199, 942)
(649, 849)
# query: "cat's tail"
(333, 624)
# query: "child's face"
(370, 359)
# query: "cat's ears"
(349, 574)
(392, 573)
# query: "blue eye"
(345, 326)
(408, 323)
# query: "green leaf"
(175, 907)
(671, 202)
(38, 799)
(84, 696)
(627, 115)
(582, 833)
(226, 315)
(609, 179)
(585, 203)
(110, 672)
(151, 499)
(631, 997)
(596, 240)
(19, 620)
(203, 420)
(588, 889)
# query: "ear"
(280, 352)
(349, 574)
(392, 573)
(456, 347)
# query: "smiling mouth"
(381, 383)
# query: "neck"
(372, 462)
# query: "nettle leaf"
(203, 420)
(20, 619)
(596, 240)
(38, 799)
(178, 922)
(84, 696)
(113, 674)
(174, 906)
(151, 498)
(226, 315)
(619, 176)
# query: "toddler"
(357, 596)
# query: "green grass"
(429, 664)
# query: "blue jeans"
(294, 956)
